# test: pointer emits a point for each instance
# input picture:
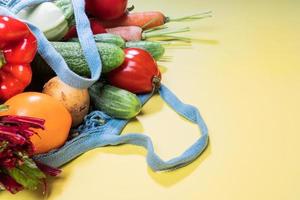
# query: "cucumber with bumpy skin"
(156, 49)
(111, 56)
(114, 101)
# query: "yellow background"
(243, 73)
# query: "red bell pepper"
(18, 47)
(139, 72)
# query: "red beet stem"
(30, 121)
(51, 171)
(9, 183)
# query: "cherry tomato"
(106, 9)
(139, 72)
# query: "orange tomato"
(58, 119)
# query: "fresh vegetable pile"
(39, 110)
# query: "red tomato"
(138, 74)
(106, 9)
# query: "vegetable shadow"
(167, 178)
(51, 182)
(39, 194)
(172, 177)
(163, 69)
(164, 178)
(205, 41)
(153, 106)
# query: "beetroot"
(17, 169)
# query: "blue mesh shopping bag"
(99, 129)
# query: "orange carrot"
(136, 33)
(149, 19)
(137, 19)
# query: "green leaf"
(31, 170)
(22, 178)
(29, 167)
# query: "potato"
(77, 101)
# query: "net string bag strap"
(99, 129)
(48, 52)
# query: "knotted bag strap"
(48, 52)
(190, 113)
(94, 136)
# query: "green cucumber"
(112, 56)
(106, 38)
(114, 101)
(156, 49)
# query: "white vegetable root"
(77, 101)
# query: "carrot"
(128, 33)
(136, 33)
(149, 19)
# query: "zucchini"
(111, 56)
(154, 48)
(106, 38)
(66, 7)
(114, 101)
(49, 18)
